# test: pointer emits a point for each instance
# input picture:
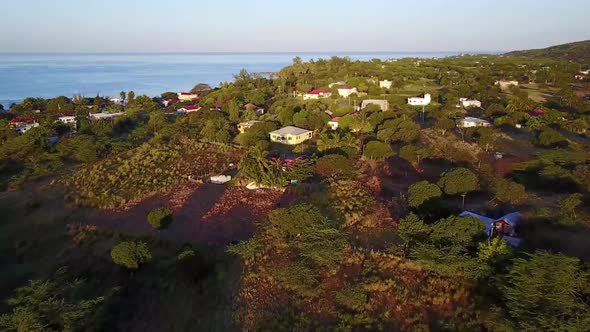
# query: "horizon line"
(255, 52)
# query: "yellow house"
(243, 126)
(290, 135)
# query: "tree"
(351, 199)
(444, 124)
(216, 130)
(545, 292)
(414, 154)
(157, 121)
(570, 203)
(422, 192)
(412, 229)
(131, 254)
(122, 94)
(509, 191)
(549, 138)
(459, 181)
(130, 97)
(457, 230)
(50, 305)
(334, 165)
(378, 150)
(160, 218)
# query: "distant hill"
(577, 51)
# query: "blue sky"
(288, 26)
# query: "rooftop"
(290, 130)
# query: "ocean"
(51, 75)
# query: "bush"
(131, 254)
(160, 218)
(334, 165)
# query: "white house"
(420, 101)
(581, 76)
(336, 83)
(67, 119)
(505, 84)
(384, 104)
(345, 91)
(243, 126)
(333, 123)
(467, 103)
(104, 116)
(117, 101)
(385, 84)
(317, 94)
(470, 122)
(188, 109)
(187, 96)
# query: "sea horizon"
(52, 74)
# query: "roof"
(248, 123)
(190, 108)
(472, 119)
(345, 87)
(22, 119)
(290, 130)
(318, 92)
(186, 94)
(335, 119)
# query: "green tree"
(412, 229)
(550, 138)
(333, 166)
(50, 305)
(459, 181)
(131, 254)
(160, 218)
(462, 231)
(569, 204)
(548, 292)
(509, 191)
(378, 150)
(122, 95)
(130, 97)
(444, 125)
(422, 192)
(415, 154)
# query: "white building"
(117, 101)
(385, 84)
(505, 84)
(470, 122)
(333, 124)
(26, 127)
(331, 85)
(345, 91)
(188, 109)
(420, 101)
(67, 119)
(317, 94)
(467, 103)
(187, 96)
(104, 116)
(384, 104)
(244, 126)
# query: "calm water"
(43, 75)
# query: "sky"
(130, 26)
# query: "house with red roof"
(169, 101)
(23, 124)
(537, 112)
(188, 109)
(333, 123)
(346, 90)
(317, 94)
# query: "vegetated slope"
(151, 168)
(577, 51)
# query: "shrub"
(160, 218)
(131, 254)
(378, 150)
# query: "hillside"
(577, 51)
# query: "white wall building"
(317, 94)
(67, 119)
(333, 124)
(345, 91)
(470, 122)
(420, 101)
(117, 101)
(467, 103)
(104, 116)
(187, 96)
(385, 84)
(505, 84)
(188, 109)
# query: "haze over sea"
(51, 75)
